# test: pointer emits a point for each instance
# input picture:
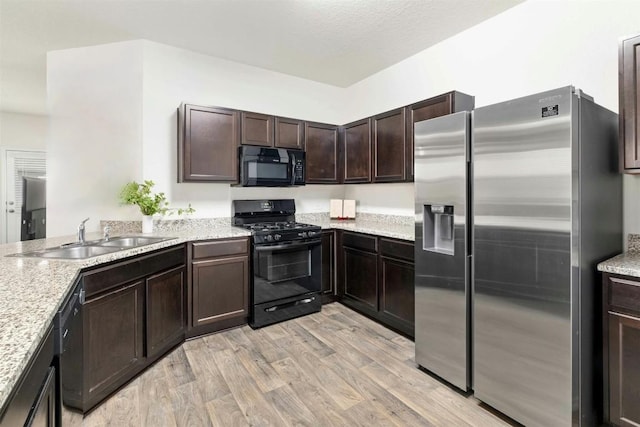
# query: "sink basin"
(72, 252)
(129, 241)
(93, 248)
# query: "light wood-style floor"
(334, 368)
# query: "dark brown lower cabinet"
(397, 294)
(219, 285)
(328, 266)
(43, 413)
(622, 350)
(33, 402)
(133, 312)
(166, 314)
(114, 340)
(376, 277)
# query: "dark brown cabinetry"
(289, 133)
(165, 313)
(376, 278)
(219, 285)
(360, 264)
(629, 93)
(113, 339)
(270, 131)
(322, 147)
(357, 151)
(132, 313)
(389, 146)
(328, 266)
(397, 293)
(33, 402)
(208, 139)
(621, 350)
(257, 129)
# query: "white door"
(19, 164)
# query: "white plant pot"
(147, 223)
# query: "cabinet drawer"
(396, 249)
(104, 278)
(360, 241)
(624, 294)
(219, 248)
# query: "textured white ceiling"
(338, 42)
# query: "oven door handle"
(309, 243)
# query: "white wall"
(535, 46)
(173, 75)
(94, 144)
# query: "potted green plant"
(140, 194)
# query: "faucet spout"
(81, 231)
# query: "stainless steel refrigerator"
(545, 201)
(442, 247)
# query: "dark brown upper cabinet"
(322, 146)
(257, 129)
(357, 151)
(437, 106)
(271, 131)
(208, 139)
(289, 133)
(629, 96)
(389, 146)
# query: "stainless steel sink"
(93, 248)
(71, 252)
(129, 241)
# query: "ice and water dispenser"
(437, 229)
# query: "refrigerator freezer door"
(442, 315)
(522, 166)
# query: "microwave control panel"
(298, 170)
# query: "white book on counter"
(342, 209)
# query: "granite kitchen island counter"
(32, 290)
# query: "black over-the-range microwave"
(270, 167)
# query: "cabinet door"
(322, 154)
(357, 151)
(389, 146)
(289, 133)
(113, 338)
(361, 277)
(165, 312)
(328, 266)
(397, 299)
(220, 289)
(44, 411)
(208, 141)
(629, 75)
(257, 129)
(624, 370)
(424, 110)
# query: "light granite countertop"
(32, 289)
(628, 263)
(397, 227)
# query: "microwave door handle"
(292, 168)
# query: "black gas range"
(286, 260)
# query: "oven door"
(286, 281)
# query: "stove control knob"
(311, 233)
(302, 234)
(269, 238)
(277, 236)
